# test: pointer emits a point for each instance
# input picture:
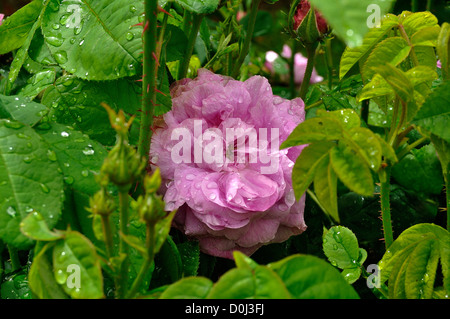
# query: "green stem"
(123, 246)
(150, 243)
(447, 192)
(292, 85)
(385, 207)
(14, 257)
(329, 60)
(248, 38)
(407, 149)
(184, 64)
(107, 234)
(415, 5)
(150, 71)
(311, 52)
(393, 129)
(404, 35)
(429, 5)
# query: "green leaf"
(29, 181)
(38, 83)
(391, 50)
(309, 277)
(20, 57)
(35, 227)
(80, 162)
(434, 115)
(352, 23)
(351, 169)
(14, 29)
(190, 257)
(325, 187)
(442, 48)
(352, 55)
(313, 130)
(410, 263)
(418, 21)
(162, 229)
(377, 87)
(21, 109)
(77, 103)
(426, 36)
(199, 6)
(348, 118)
(15, 286)
(305, 167)
(40, 277)
(367, 145)
(420, 171)
(244, 283)
(340, 245)
(188, 288)
(398, 80)
(77, 267)
(101, 28)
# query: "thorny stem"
(311, 52)
(150, 71)
(184, 64)
(385, 207)
(248, 38)
(329, 61)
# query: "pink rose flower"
(218, 154)
(300, 63)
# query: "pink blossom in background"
(300, 63)
(1, 18)
(439, 64)
(233, 205)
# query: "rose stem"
(184, 64)
(385, 207)
(248, 38)
(311, 52)
(150, 71)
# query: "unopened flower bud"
(152, 182)
(308, 25)
(150, 208)
(102, 203)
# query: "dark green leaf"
(420, 171)
(14, 29)
(199, 6)
(101, 28)
(29, 181)
(79, 157)
(21, 109)
(244, 283)
(188, 288)
(434, 115)
(309, 277)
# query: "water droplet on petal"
(212, 196)
(190, 177)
